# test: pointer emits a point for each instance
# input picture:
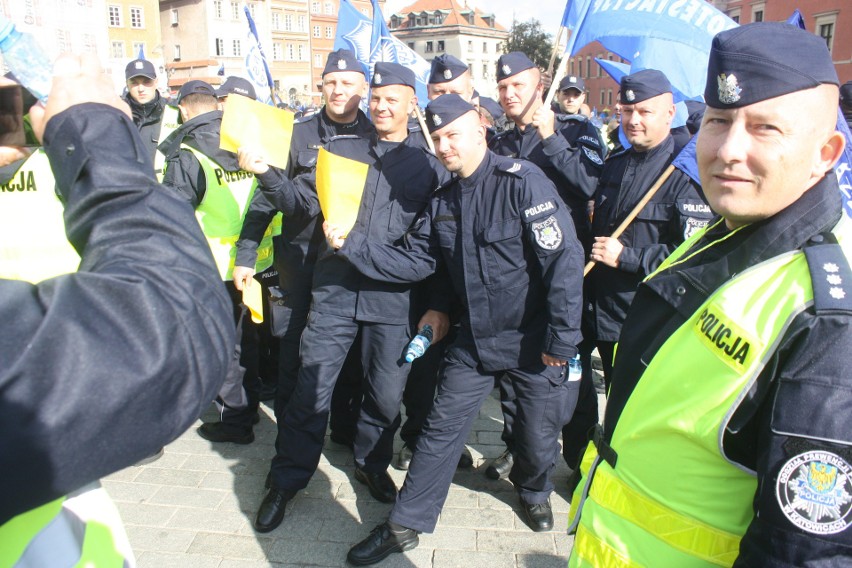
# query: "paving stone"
(159, 539)
(129, 492)
(174, 477)
(145, 514)
(475, 518)
(514, 541)
(307, 553)
(541, 561)
(452, 559)
(450, 538)
(207, 521)
(188, 497)
(166, 560)
(232, 546)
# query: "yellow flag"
(253, 301)
(340, 184)
(251, 123)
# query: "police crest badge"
(729, 90)
(630, 95)
(377, 78)
(547, 233)
(593, 156)
(436, 120)
(341, 64)
(507, 70)
(448, 74)
(814, 490)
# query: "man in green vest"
(727, 438)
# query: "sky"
(548, 12)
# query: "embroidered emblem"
(448, 74)
(540, 208)
(572, 79)
(630, 95)
(834, 279)
(377, 78)
(341, 64)
(436, 120)
(547, 233)
(516, 167)
(506, 70)
(593, 156)
(837, 293)
(693, 226)
(729, 90)
(830, 267)
(139, 65)
(814, 490)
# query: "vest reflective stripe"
(585, 543)
(222, 211)
(83, 529)
(168, 124)
(33, 245)
(673, 498)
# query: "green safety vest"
(82, 530)
(168, 124)
(221, 213)
(673, 499)
(33, 245)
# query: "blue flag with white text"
(257, 70)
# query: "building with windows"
(435, 27)
(133, 27)
(289, 50)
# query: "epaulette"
(571, 118)
(304, 119)
(518, 168)
(831, 276)
(344, 137)
(617, 154)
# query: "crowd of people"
(719, 309)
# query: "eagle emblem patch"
(547, 233)
(729, 90)
(814, 490)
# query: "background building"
(134, 26)
(435, 27)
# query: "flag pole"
(555, 49)
(642, 203)
(560, 72)
(423, 128)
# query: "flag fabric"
(257, 70)
(141, 54)
(371, 41)
(221, 71)
(340, 185)
(673, 37)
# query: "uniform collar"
(480, 173)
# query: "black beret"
(195, 87)
(342, 60)
(572, 82)
(512, 63)
(764, 60)
(643, 85)
(445, 109)
(446, 68)
(385, 73)
(236, 85)
(140, 67)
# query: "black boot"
(382, 542)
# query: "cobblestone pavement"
(194, 508)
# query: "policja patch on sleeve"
(548, 234)
(814, 490)
(592, 155)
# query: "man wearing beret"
(501, 233)
(345, 304)
(727, 439)
(295, 252)
(569, 150)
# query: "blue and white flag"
(141, 54)
(673, 37)
(371, 41)
(257, 70)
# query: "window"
(826, 31)
(318, 60)
(410, 45)
(303, 24)
(114, 16)
(588, 66)
(138, 46)
(600, 70)
(276, 21)
(217, 8)
(484, 47)
(758, 16)
(824, 26)
(291, 54)
(440, 45)
(736, 19)
(757, 12)
(571, 67)
(329, 32)
(470, 46)
(173, 16)
(317, 31)
(602, 98)
(177, 52)
(315, 7)
(235, 11)
(116, 50)
(328, 8)
(429, 47)
(484, 70)
(136, 20)
(63, 41)
(609, 97)
(288, 23)
(220, 47)
(89, 43)
(302, 52)
(237, 48)
(277, 51)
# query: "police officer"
(726, 420)
(295, 252)
(235, 85)
(154, 118)
(344, 303)
(568, 149)
(88, 357)
(503, 236)
(571, 94)
(211, 180)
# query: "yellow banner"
(253, 299)
(340, 185)
(251, 123)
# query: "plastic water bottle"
(419, 344)
(575, 368)
(26, 60)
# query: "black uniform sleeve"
(295, 198)
(184, 174)
(581, 164)
(550, 232)
(259, 215)
(803, 506)
(101, 368)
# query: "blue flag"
(141, 54)
(257, 70)
(673, 37)
(371, 41)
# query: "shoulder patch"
(592, 155)
(830, 275)
(586, 139)
(537, 210)
(548, 234)
(814, 490)
(513, 167)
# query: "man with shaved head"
(727, 438)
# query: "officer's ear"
(830, 152)
(184, 113)
(412, 104)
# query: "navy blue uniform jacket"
(509, 246)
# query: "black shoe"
(381, 486)
(342, 440)
(271, 511)
(501, 466)
(465, 459)
(219, 432)
(403, 458)
(381, 543)
(538, 516)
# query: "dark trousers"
(267, 343)
(606, 349)
(238, 399)
(545, 400)
(325, 344)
